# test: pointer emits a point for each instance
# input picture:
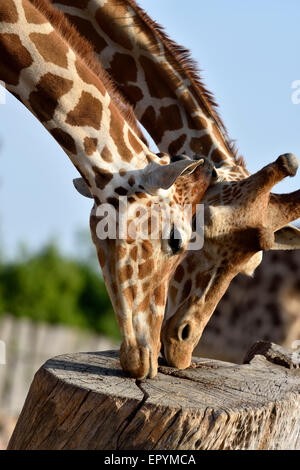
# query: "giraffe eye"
(175, 240)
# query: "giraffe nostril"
(184, 332)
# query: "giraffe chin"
(177, 354)
(138, 361)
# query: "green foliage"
(49, 287)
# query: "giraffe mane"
(85, 51)
(182, 56)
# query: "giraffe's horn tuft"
(289, 162)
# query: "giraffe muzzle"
(177, 346)
(138, 361)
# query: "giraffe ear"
(163, 176)
(287, 238)
(82, 187)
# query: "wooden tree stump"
(83, 401)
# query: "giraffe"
(161, 82)
(266, 308)
(52, 71)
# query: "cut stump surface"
(84, 401)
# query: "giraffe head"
(141, 233)
(242, 218)
(51, 69)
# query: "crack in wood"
(134, 412)
(181, 373)
(227, 406)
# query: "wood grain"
(83, 401)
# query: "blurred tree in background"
(48, 286)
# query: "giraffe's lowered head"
(51, 69)
(139, 249)
(242, 219)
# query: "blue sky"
(248, 52)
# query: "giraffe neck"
(158, 78)
(50, 69)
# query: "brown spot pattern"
(33, 16)
(177, 144)
(173, 293)
(202, 144)
(88, 76)
(159, 295)
(134, 142)
(144, 305)
(114, 202)
(131, 181)
(186, 289)
(196, 122)
(88, 31)
(147, 249)
(90, 145)
(121, 252)
(133, 253)
(88, 112)
(130, 294)
(146, 286)
(133, 93)
(102, 177)
(123, 68)
(148, 120)
(8, 12)
(217, 156)
(51, 48)
(125, 273)
(74, 3)
(45, 100)
(145, 269)
(101, 257)
(14, 58)
(121, 191)
(117, 133)
(179, 273)
(106, 155)
(64, 139)
(169, 119)
(157, 88)
(103, 16)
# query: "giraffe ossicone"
(51, 70)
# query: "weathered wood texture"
(83, 401)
